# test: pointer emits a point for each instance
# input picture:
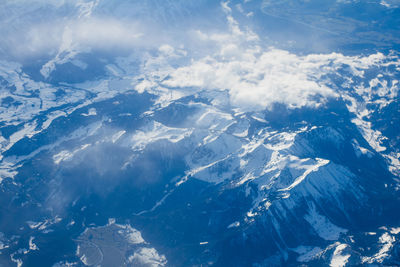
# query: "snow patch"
(91, 112)
(156, 131)
(322, 226)
(307, 253)
(339, 259)
(117, 136)
(386, 241)
(234, 225)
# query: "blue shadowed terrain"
(199, 133)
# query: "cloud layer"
(257, 80)
(256, 77)
(233, 60)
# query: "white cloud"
(63, 29)
(86, 8)
(257, 77)
(148, 257)
(234, 60)
(254, 76)
(49, 2)
(256, 80)
(84, 35)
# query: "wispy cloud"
(255, 77)
(85, 35)
(59, 31)
(234, 59)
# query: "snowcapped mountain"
(139, 134)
